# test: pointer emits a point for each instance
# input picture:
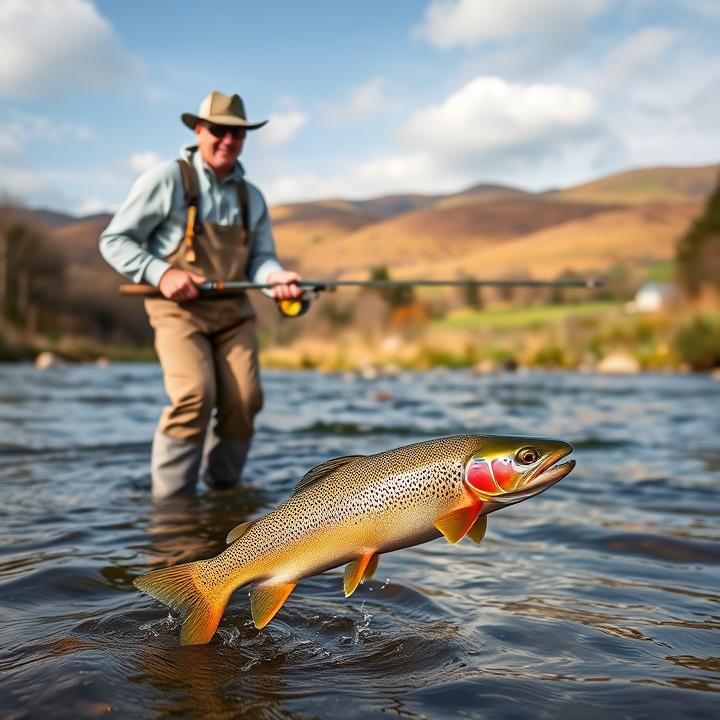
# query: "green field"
(533, 316)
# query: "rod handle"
(139, 289)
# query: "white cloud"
(361, 103)
(281, 128)
(490, 129)
(18, 129)
(471, 23)
(52, 46)
(91, 206)
(143, 161)
(640, 52)
(492, 118)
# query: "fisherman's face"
(220, 146)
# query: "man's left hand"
(285, 289)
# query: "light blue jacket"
(150, 224)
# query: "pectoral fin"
(477, 532)
(266, 600)
(357, 571)
(456, 524)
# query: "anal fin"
(456, 524)
(357, 571)
(477, 532)
(371, 567)
(266, 600)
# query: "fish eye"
(527, 456)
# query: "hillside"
(634, 236)
(431, 234)
(648, 185)
(634, 218)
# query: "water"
(600, 598)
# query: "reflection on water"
(598, 599)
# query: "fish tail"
(182, 588)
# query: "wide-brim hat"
(222, 110)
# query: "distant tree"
(559, 295)
(620, 283)
(471, 293)
(393, 296)
(698, 251)
(31, 272)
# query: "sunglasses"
(219, 131)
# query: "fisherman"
(183, 222)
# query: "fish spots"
(384, 495)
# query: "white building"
(652, 297)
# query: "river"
(598, 599)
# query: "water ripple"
(598, 599)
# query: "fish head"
(506, 470)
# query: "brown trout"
(352, 509)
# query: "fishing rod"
(292, 308)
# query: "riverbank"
(588, 336)
(583, 336)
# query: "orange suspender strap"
(192, 195)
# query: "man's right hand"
(179, 285)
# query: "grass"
(534, 316)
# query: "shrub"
(698, 342)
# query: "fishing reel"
(297, 306)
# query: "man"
(183, 222)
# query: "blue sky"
(364, 98)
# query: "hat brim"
(192, 120)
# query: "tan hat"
(222, 110)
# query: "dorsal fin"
(238, 531)
(322, 470)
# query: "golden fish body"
(352, 509)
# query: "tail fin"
(182, 588)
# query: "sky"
(364, 98)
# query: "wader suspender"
(193, 227)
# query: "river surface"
(598, 599)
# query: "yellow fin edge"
(456, 524)
(181, 588)
(266, 600)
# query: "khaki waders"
(208, 353)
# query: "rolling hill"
(634, 218)
(648, 185)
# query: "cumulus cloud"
(492, 118)
(470, 23)
(281, 128)
(640, 52)
(361, 102)
(490, 129)
(52, 46)
(143, 161)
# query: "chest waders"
(208, 354)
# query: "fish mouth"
(547, 475)
(547, 478)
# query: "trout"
(350, 510)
